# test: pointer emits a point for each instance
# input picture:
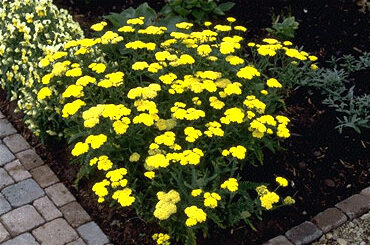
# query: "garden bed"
(324, 166)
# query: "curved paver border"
(326, 221)
(35, 207)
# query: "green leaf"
(226, 6)
(218, 11)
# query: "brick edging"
(39, 194)
(331, 218)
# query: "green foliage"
(353, 110)
(119, 19)
(199, 10)
(284, 30)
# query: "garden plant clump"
(29, 30)
(168, 120)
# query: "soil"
(324, 166)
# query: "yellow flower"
(98, 26)
(124, 197)
(273, 83)
(196, 192)
(96, 141)
(268, 199)
(184, 25)
(80, 148)
(195, 215)
(288, 200)
(231, 184)
(149, 174)
(282, 181)
(44, 93)
(210, 199)
(231, 19)
(134, 157)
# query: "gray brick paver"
(5, 155)
(47, 208)
(16, 143)
(17, 171)
(59, 194)
(44, 176)
(304, 233)
(279, 240)
(329, 219)
(22, 193)
(56, 232)
(366, 192)
(354, 206)
(75, 214)
(6, 128)
(29, 159)
(5, 179)
(24, 239)
(4, 205)
(92, 234)
(4, 234)
(79, 241)
(21, 220)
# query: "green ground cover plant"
(334, 84)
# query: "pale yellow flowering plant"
(171, 118)
(29, 30)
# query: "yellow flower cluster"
(210, 199)
(231, 184)
(236, 151)
(184, 106)
(195, 215)
(166, 205)
(161, 239)
(95, 141)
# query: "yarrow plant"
(170, 118)
(29, 30)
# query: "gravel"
(354, 232)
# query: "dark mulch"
(325, 167)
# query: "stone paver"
(29, 159)
(4, 234)
(56, 232)
(279, 240)
(17, 171)
(92, 234)
(24, 239)
(44, 176)
(5, 179)
(27, 215)
(21, 220)
(47, 209)
(16, 143)
(329, 219)
(304, 233)
(5, 155)
(77, 242)
(75, 214)
(23, 192)
(354, 206)
(59, 194)
(6, 128)
(4, 205)
(366, 192)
